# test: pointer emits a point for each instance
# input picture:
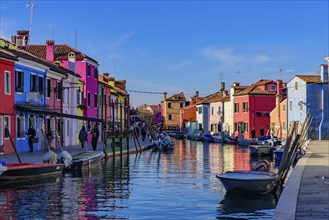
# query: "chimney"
(324, 73)
(222, 87)
(165, 95)
(22, 39)
(50, 50)
(71, 57)
(197, 94)
(236, 84)
(106, 74)
(278, 92)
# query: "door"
(1, 133)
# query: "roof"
(61, 52)
(216, 97)
(255, 90)
(177, 97)
(8, 56)
(309, 78)
(29, 56)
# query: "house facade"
(309, 94)
(7, 93)
(252, 107)
(171, 110)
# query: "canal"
(175, 185)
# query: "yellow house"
(171, 110)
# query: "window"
(212, 111)
(169, 117)
(301, 105)
(7, 125)
(169, 104)
(96, 73)
(283, 107)
(219, 110)
(109, 104)
(59, 90)
(41, 85)
(59, 127)
(78, 97)
(20, 126)
(284, 126)
(88, 70)
(290, 106)
(197, 110)
(271, 88)
(19, 81)
(95, 100)
(1, 130)
(181, 105)
(68, 128)
(7, 83)
(236, 107)
(200, 110)
(296, 85)
(88, 99)
(48, 88)
(200, 126)
(245, 106)
(244, 126)
(33, 83)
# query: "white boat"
(261, 149)
(248, 181)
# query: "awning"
(42, 109)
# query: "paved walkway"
(36, 156)
(306, 194)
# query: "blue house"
(309, 93)
(30, 76)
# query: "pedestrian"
(31, 133)
(83, 137)
(253, 133)
(94, 137)
(143, 131)
(261, 132)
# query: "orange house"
(171, 110)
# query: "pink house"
(84, 65)
(252, 107)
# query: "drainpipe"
(62, 99)
(322, 114)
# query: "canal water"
(152, 185)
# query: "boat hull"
(262, 150)
(248, 181)
(86, 160)
(30, 170)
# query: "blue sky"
(182, 46)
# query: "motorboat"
(248, 181)
(261, 149)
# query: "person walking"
(94, 137)
(31, 133)
(83, 137)
(253, 133)
(261, 132)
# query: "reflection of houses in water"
(216, 159)
(241, 158)
(228, 158)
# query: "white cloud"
(121, 40)
(262, 58)
(222, 55)
(182, 64)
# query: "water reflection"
(178, 184)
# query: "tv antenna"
(32, 6)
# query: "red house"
(7, 94)
(252, 107)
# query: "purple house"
(84, 65)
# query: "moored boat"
(248, 181)
(85, 160)
(261, 149)
(21, 171)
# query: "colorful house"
(252, 107)
(85, 66)
(7, 94)
(279, 115)
(309, 94)
(171, 110)
(228, 108)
